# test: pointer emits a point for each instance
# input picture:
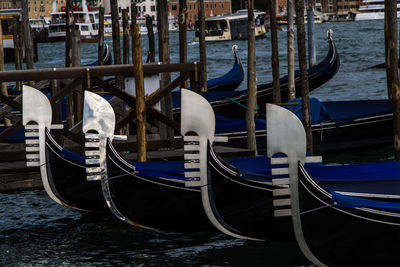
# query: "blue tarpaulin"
(340, 200)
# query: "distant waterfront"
(34, 231)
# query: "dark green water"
(34, 231)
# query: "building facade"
(211, 8)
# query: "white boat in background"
(232, 26)
(86, 21)
(173, 25)
(40, 29)
(373, 9)
(141, 21)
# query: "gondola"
(336, 125)
(232, 79)
(63, 173)
(250, 201)
(359, 228)
(151, 194)
(233, 103)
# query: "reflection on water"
(34, 231)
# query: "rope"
(312, 210)
(241, 105)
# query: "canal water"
(34, 231)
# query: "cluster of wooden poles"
(73, 59)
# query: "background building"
(211, 8)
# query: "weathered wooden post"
(290, 49)
(3, 85)
(133, 13)
(251, 79)
(17, 49)
(27, 35)
(202, 44)
(125, 34)
(182, 36)
(392, 70)
(301, 44)
(140, 93)
(116, 39)
(275, 55)
(100, 47)
(76, 62)
(312, 58)
(151, 57)
(70, 23)
(164, 57)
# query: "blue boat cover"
(340, 200)
(234, 76)
(376, 171)
(69, 155)
(258, 166)
(229, 125)
(210, 96)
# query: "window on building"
(195, 16)
(207, 5)
(119, 9)
(127, 8)
(346, 7)
(153, 8)
(144, 8)
(173, 7)
(222, 5)
(190, 7)
(194, 6)
(330, 8)
(215, 5)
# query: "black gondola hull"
(360, 133)
(67, 179)
(346, 236)
(153, 202)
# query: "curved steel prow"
(236, 54)
(198, 116)
(286, 134)
(36, 117)
(99, 116)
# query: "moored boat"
(359, 227)
(232, 26)
(233, 103)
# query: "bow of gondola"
(352, 220)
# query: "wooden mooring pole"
(251, 80)
(151, 56)
(76, 62)
(27, 35)
(116, 39)
(125, 34)
(302, 54)
(140, 93)
(164, 57)
(182, 36)
(290, 49)
(100, 47)
(312, 58)
(3, 85)
(202, 44)
(275, 55)
(392, 69)
(17, 49)
(68, 33)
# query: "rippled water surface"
(34, 231)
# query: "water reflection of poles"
(392, 70)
